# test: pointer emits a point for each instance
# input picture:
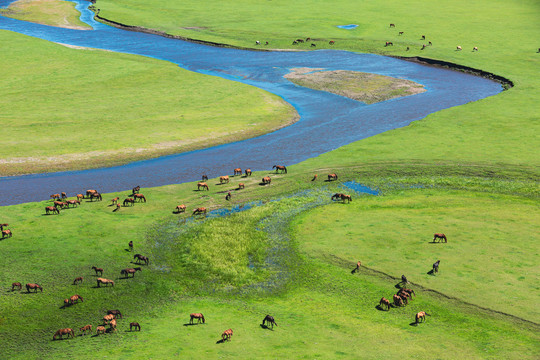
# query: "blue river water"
(327, 121)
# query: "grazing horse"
(475, 48)
(34, 287)
(80, 197)
(6, 233)
(257, 42)
(357, 268)
(389, 43)
(331, 42)
(67, 331)
(440, 237)
(281, 168)
(180, 209)
(78, 280)
(241, 186)
(300, 40)
(404, 280)
(112, 325)
(421, 316)
(202, 185)
(423, 47)
(436, 266)
(458, 48)
(134, 325)
(237, 171)
(400, 33)
(313, 45)
(130, 244)
(55, 196)
(227, 334)
(423, 37)
(266, 180)
(346, 197)
(96, 196)
(98, 270)
(200, 210)
(332, 177)
(142, 258)
(75, 203)
(398, 301)
(198, 316)
(384, 302)
(16, 285)
(404, 296)
(115, 200)
(116, 313)
(53, 209)
(59, 204)
(269, 320)
(392, 25)
(295, 43)
(136, 189)
(128, 271)
(408, 291)
(248, 172)
(100, 330)
(336, 196)
(86, 328)
(90, 192)
(104, 281)
(129, 201)
(75, 298)
(204, 178)
(224, 179)
(228, 196)
(64, 195)
(139, 197)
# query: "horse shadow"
(266, 327)
(413, 324)
(220, 341)
(190, 324)
(379, 307)
(399, 285)
(129, 250)
(431, 272)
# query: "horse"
(294, 42)
(86, 328)
(404, 280)
(421, 316)
(180, 208)
(389, 43)
(98, 270)
(90, 192)
(257, 42)
(228, 196)
(332, 177)
(227, 334)
(130, 244)
(80, 197)
(237, 171)
(134, 325)
(140, 257)
(300, 40)
(96, 196)
(400, 33)
(202, 185)
(269, 320)
(75, 203)
(224, 179)
(78, 280)
(248, 172)
(436, 266)
(336, 196)
(53, 209)
(67, 331)
(100, 330)
(266, 180)
(346, 197)
(313, 45)
(475, 48)
(357, 268)
(200, 210)
(423, 46)
(129, 201)
(408, 291)
(136, 189)
(384, 302)
(241, 186)
(75, 298)
(66, 303)
(116, 313)
(104, 281)
(440, 236)
(331, 42)
(398, 301)
(198, 316)
(115, 200)
(314, 177)
(16, 285)
(132, 271)
(266, 43)
(407, 49)
(404, 296)
(280, 168)
(34, 287)
(6, 233)
(423, 37)
(458, 48)
(60, 204)
(204, 178)
(139, 197)
(308, 39)
(430, 43)
(55, 196)
(392, 25)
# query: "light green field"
(48, 12)
(82, 108)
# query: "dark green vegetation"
(368, 88)
(86, 97)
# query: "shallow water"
(327, 121)
(347, 27)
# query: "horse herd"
(424, 46)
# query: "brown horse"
(98, 270)
(202, 185)
(281, 168)
(198, 316)
(224, 179)
(266, 180)
(204, 178)
(384, 302)
(63, 195)
(268, 319)
(49, 209)
(142, 258)
(409, 291)
(439, 236)
(129, 201)
(86, 328)
(392, 25)
(357, 268)
(67, 331)
(75, 203)
(130, 244)
(104, 281)
(60, 204)
(96, 196)
(389, 43)
(228, 196)
(248, 172)
(55, 196)
(331, 42)
(398, 301)
(112, 325)
(6, 233)
(78, 280)
(180, 209)
(115, 200)
(34, 287)
(332, 177)
(200, 210)
(421, 316)
(139, 197)
(116, 313)
(241, 186)
(134, 325)
(17, 285)
(75, 298)
(314, 177)
(90, 192)
(336, 196)
(100, 330)
(346, 197)
(136, 189)
(227, 334)
(131, 271)
(237, 171)
(80, 197)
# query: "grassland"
(48, 12)
(67, 109)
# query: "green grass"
(85, 113)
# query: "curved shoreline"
(506, 83)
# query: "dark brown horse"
(139, 197)
(439, 236)
(17, 285)
(224, 179)
(78, 280)
(134, 325)
(64, 195)
(75, 298)
(389, 43)
(6, 233)
(248, 172)
(180, 209)
(228, 196)
(408, 291)
(332, 177)
(281, 168)
(98, 270)
(237, 171)
(384, 302)
(266, 180)
(60, 204)
(398, 301)
(106, 282)
(90, 192)
(129, 201)
(53, 209)
(227, 334)
(130, 244)
(436, 266)
(136, 189)
(204, 178)
(34, 287)
(392, 25)
(202, 185)
(67, 331)
(86, 328)
(200, 210)
(131, 271)
(142, 258)
(336, 196)
(198, 316)
(116, 313)
(269, 320)
(96, 196)
(331, 42)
